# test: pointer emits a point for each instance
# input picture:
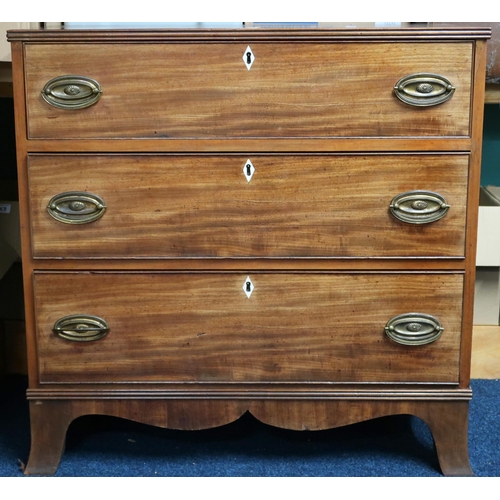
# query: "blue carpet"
(398, 446)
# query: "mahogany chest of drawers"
(274, 221)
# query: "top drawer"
(204, 90)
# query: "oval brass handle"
(72, 92)
(424, 89)
(76, 207)
(419, 207)
(81, 328)
(414, 329)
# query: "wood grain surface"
(175, 91)
(202, 327)
(166, 206)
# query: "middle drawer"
(196, 206)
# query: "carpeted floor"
(398, 446)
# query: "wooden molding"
(243, 393)
(247, 34)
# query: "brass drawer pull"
(81, 328)
(414, 329)
(424, 89)
(72, 92)
(419, 207)
(76, 207)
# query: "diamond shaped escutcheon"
(248, 170)
(248, 57)
(248, 287)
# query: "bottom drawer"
(230, 327)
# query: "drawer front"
(193, 90)
(204, 206)
(204, 328)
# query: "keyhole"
(249, 172)
(249, 57)
(248, 286)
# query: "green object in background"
(490, 168)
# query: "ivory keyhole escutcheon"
(248, 57)
(248, 170)
(248, 287)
